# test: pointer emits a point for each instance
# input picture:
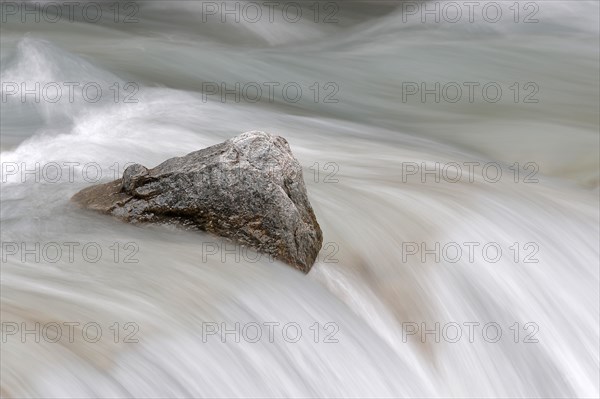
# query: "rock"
(248, 189)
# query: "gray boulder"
(248, 189)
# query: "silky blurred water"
(354, 152)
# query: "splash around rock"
(248, 189)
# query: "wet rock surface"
(249, 189)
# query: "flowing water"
(375, 293)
